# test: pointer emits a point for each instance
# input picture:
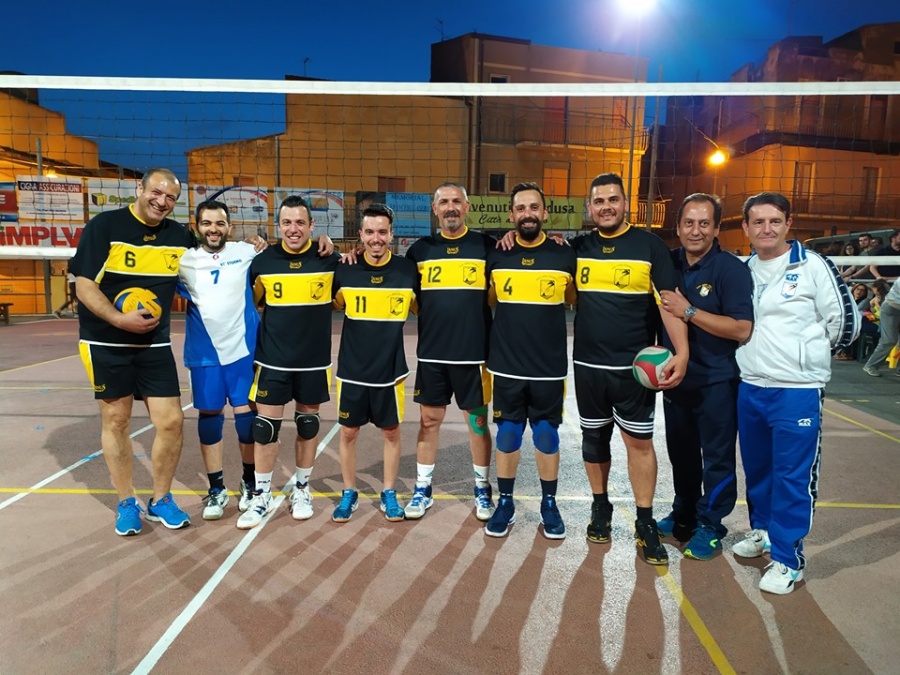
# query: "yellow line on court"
(41, 363)
(693, 618)
(863, 426)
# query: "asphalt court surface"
(433, 595)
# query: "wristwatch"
(689, 313)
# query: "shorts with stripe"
(528, 400)
(213, 386)
(606, 396)
(437, 382)
(279, 387)
(359, 404)
(142, 372)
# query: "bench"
(4, 311)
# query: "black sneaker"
(647, 537)
(598, 530)
(554, 528)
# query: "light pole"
(717, 159)
(636, 8)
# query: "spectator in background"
(72, 299)
(890, 331)
(850, 249)
(889, 272)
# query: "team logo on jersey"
(548, 287)
(789, 287)
(804, 422)
(99, 388)
(497, 413)
(452, 250)
(295, 264)
(397, 302)
(704, 289)
(527, 262)
(609, 249)
(149, 237)
(377, 280)
(343, 415)
(262, 393)
(316, 290)
(171, 260)
(470, 275)
(622, 277)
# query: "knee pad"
(265, 430)
(307, 425)
(243, 424)
(509, 435)
(209, 428)
(595, 444)
(481, 430)
(545, 437)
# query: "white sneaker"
(246, 497)
(779, 579)
(261, 505)
(755, 544)
(301, 503)
(215, 502)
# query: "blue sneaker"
(166, 511)
(349, 504)
(421, 501)
(389, 506)
(504, 516)
(554, 528)
(704, 544)
(128, 522)
(672, 526)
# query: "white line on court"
(70, 468)
(188, 613)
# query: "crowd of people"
(752, 346)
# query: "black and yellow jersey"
(454, 316)
(117, 250)
(618, 279)
(376, 300)
(530, 286)
(295, 288)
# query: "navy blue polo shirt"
(721, 284)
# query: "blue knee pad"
(243, 424)
(595, 444)
(509, 435)
(209, 428)
(545, 437)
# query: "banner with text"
(9, 212)
(245, 204)
(50, 199)
(492, 213)
(327, 208)
(412, 213)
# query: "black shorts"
(531, 400)
(142, 372)
(359, 404)
(607, 396)
(437, 382)
(279, 387)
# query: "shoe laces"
(346, 499)
(131, 506)
(260, 504)
(214, 497)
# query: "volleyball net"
(74, 147)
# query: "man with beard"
(620, 271)
(452, 322)
(128, 355)
(293, 355)
(220, 340)
(530, 284)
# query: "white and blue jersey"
(222, 320)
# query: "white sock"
(301, 475)
(482, 475)
(263, 481)
(423, 474)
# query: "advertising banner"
(40, 234)
(49, 199)
(245, 204)
(412, 213)
(109, 194)
(9, 212)
(327, 209)
(492, 213)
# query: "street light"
(637, 9)
(717, 159)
